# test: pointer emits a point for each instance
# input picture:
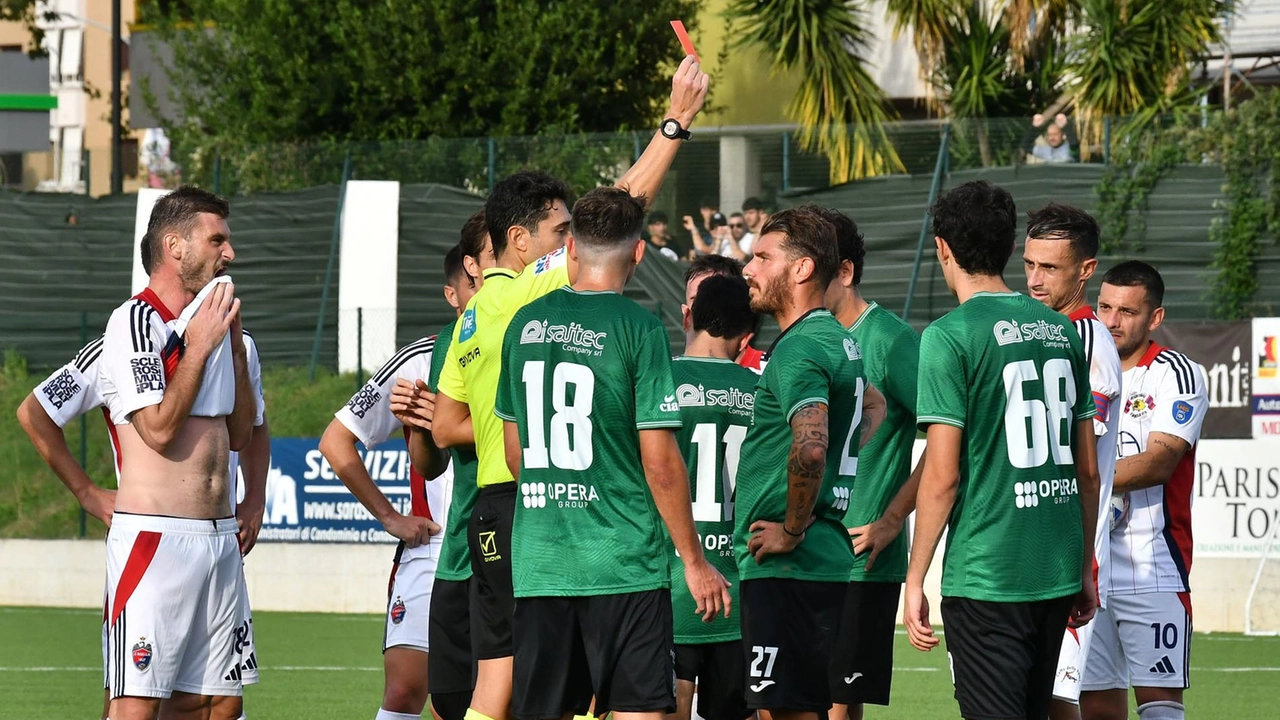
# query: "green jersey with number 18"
(716, 397)
(1011, 373)
(815, 360)
(455, 560)
(583, 373)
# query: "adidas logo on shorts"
(1164, 667)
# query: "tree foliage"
(27, 12)
(291, 71)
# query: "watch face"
(670, 128)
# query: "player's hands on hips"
(413, 530)
(874, 538)
(915, 616)
(213, 320)
(413, 404)
(709, 588)
(1086, 604)
(688, 91)
(249, 518)
(769, 538)
(99, 502)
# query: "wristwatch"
(671, 129)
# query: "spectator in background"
(754, 211)
(1053, 146)
(717, 239)
(742, 237)
(659, 241)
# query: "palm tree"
(839, 107)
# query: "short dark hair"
(809, 234)
(849, 242)
(712, 265)
(1135, 273)
(723, 307)
(657, 217)
(607, 218)
(522, 199)
(977, 220)
(177, 212)
(471, 239)
(1064, 222)
(453, 265)
(752, 203)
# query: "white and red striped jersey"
(1151, 546)
(368, 416)
(1105, 380)
(76, 388)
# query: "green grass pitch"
(329, 667)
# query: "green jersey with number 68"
(815, 360)
(1011, 373)
(455, 560)
(582, 374)
(716, 397)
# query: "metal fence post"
(1106, 140)
(924, 224)
(359, 347)
(333, 255)
(636, 149)
(493, 162)
(84, 424)
(786, 161)
(84, 171)
(217, 174)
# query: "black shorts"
(452, 668)
(720, 673)
(788, 627)
(489, 542)
(993, 645)
(862, 659)
(617, 647)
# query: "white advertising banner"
(1236, 502)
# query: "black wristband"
(785, 530)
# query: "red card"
(685, 42)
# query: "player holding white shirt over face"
(1143, 636)
(173, 561)
(75, 389)
(368, 418)
(1059, 258)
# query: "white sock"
(1162, 710)
(388, 715)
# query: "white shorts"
(1141, 641)
(174, 590)
(1071, 659)
(409, 598)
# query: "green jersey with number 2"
(583, 373)
(815, 360)
(715, 397)
(1011, 374)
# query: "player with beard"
(1143, 636)
(798, 464)
(1059, 257)
(181, 401)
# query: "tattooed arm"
(1151, 467)
(806, 464)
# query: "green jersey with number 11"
(716, 397)
(1011, 374)
(582, 374)
(815, 360)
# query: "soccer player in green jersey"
(797, 468)
(884, 493)
(716, 396)
(590, 413)
(528, 222)
(1011, 470)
